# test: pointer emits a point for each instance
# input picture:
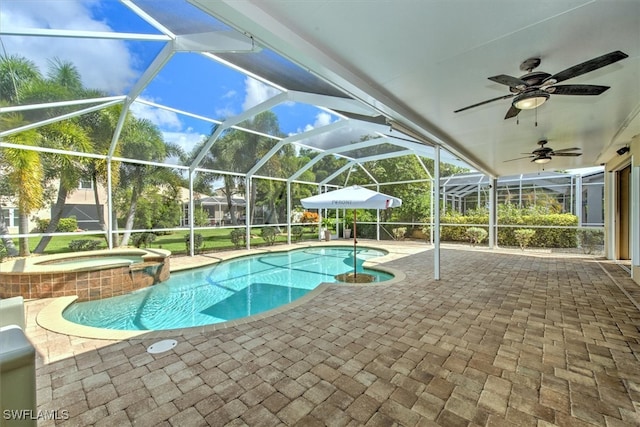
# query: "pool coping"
(50, 317)
(47, 263)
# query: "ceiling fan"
(544, 154)
(533, 88)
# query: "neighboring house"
(80, 204)
(216, 207)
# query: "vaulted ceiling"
(416, 62)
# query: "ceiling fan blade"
(509, 81)
(519, 158)
(486, 102)
(512, 112)
(564, 150)
(578, 89)
(588, 66)
(566, 154)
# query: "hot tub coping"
(46, 263)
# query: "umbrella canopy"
(354, 197)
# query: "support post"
(288, 212)
(493, 213)
(191, 216)
(436, 216)
(634, 231)
(247, 212)
(109, 218)
(578, 198)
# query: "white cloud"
(103, 64)
(171, 126)
(164, 119)
(229, 94)
(224, 112)
(256, 92)
(186, 140)
(323, 140)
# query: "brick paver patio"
(506, 338)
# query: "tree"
(24, 175)
(16, 73)
(63, 82)
(101, 126)
(67, 169)
(24, 168)
(238, 151)
(142, 140)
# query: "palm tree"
(221, 156)
(66, 168)
(101, 126)
(24, 168)
(24, 174)
(142, 140)
(63, 82)
(16, 73)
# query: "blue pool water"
(225, 291)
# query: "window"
(10, 217)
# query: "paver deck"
(505, 338)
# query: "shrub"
(523, 236)
(142, 240)
(399, 233)
(41, 225)
(238, 237)
(84, 245)
(309, 217)
(297, 232)
(590, 239)
(3, 252)
(269, 235)
(65, 225)
(476, 235)
(458, 233)
(198, 240)
(543, 238)
(200, 217)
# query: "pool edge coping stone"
(50, 317)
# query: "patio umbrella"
(354, 197)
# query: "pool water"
(225, 291)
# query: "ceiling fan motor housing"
(533, 81)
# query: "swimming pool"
(225, 291)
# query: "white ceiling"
(416, 61)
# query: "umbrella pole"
(355, 272)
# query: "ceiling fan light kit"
(542, 160)
(530, 100)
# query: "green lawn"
(215, 239)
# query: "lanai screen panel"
(379, 149)
(181, 17)
(274, 68)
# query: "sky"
(189, 82)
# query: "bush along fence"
(551, 230)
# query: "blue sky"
(189, 82)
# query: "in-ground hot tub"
(90, 275)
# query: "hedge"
(544, 237)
